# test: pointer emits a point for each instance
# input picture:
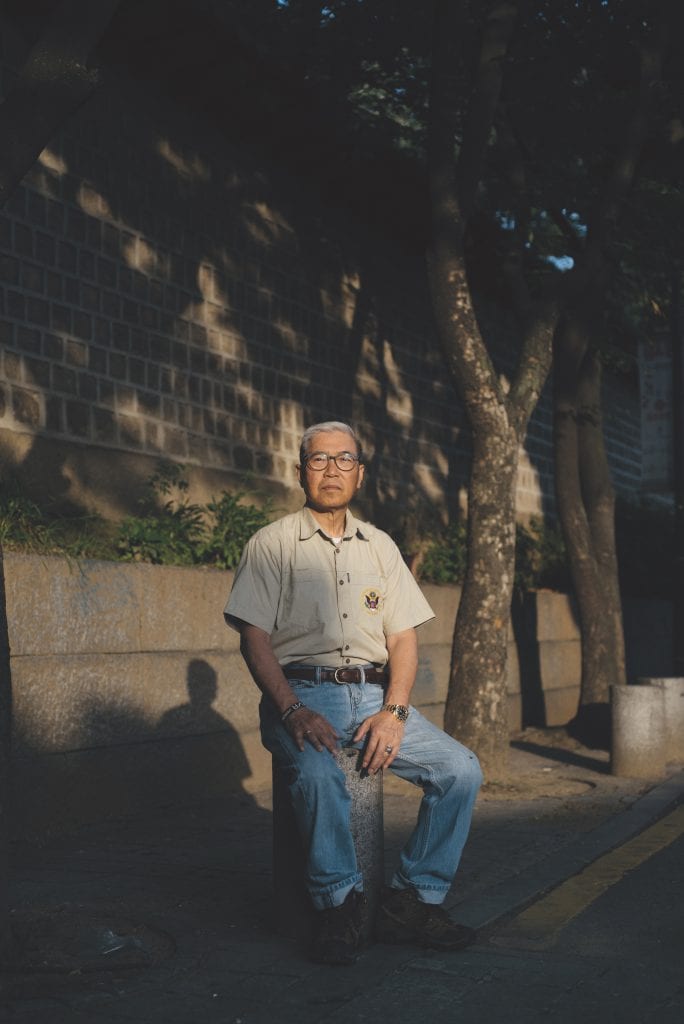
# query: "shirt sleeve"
(255, 592)
(405, 603)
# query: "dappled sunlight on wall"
(529, 501)
(167, 295)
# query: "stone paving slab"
(201, 878)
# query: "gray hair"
(329, 427)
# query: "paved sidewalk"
(168, 918)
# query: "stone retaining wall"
(130, 692)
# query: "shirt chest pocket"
(367, 596)
(308, 598)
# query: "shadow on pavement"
(564, 756)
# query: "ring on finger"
(388, 749)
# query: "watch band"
(400, 711)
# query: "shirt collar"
(353, 527)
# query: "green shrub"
(23, 524)
(168, 535)
(540, 558)
(231, 524)
(179, 533)
(446, 556)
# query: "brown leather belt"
(352, 674)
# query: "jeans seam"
(438, 792)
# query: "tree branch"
(497, 34)
(463, 346)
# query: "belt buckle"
(354, 668)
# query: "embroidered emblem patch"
(371, 601)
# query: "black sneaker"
(402, 917)
(338, 931)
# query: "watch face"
(400, 711)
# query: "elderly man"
(327, 612)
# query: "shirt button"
(344, 615)
(341, 583)
(347, 660)
(346, 647)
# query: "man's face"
(330, 489)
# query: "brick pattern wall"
(161, 295)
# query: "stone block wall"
(130, 691)
(164, 295)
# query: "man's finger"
(361, 731)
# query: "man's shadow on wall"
(205, 758)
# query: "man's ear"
(299, 470)
(362, 470)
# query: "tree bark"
(476, 707)
(586, 507)
(54, 82)
(584, 491)
(599, 501)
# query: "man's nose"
(331, 468)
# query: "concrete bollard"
(293, 908)
(673, 698)
(638, 727)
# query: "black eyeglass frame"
(334, 458)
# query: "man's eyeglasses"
(343, 460)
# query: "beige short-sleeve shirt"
(324, 603)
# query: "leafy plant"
(22, 523)
(179, 533)
(231, 524)
(168, 535)
(540, 557)
(446, 556)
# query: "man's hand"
(383, 734)
(307, 726)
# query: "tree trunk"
(586, 508)
(599, 501)
(477, 702)
(586, 503)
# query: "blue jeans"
(448, 773)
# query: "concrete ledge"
(89, 700)
(556, 616)
(60, 606)
(117, 665)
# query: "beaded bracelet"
(292, 708)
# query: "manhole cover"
(71, 939)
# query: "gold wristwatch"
(400, 711)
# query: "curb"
(503, 900)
